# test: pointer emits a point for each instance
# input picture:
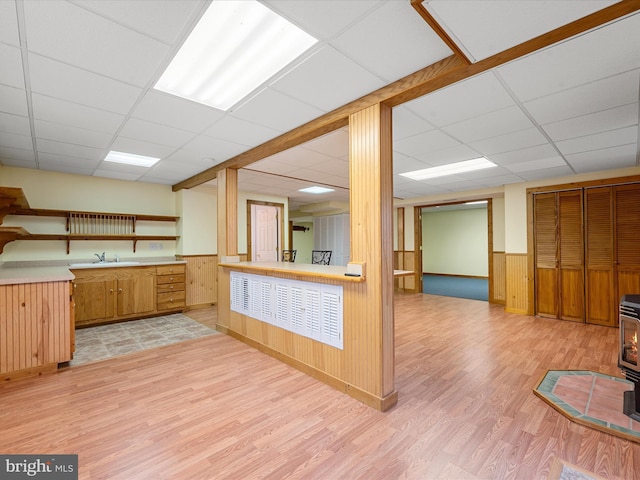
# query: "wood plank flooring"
(213, 408)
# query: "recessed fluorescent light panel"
(478, 202)
(131, 159)
(451, 169)
(316, 190)
(235, 47)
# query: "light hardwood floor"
(213, 408)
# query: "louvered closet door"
(571, 256)
(546, 254)
(600, 293)
(627, 230)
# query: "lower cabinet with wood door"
(105, 295)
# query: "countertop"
(12, 275)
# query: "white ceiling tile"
(604, 52)
(15, 162)
(275, 110)
(160, 19)
(334, 144)
(65, 163)
(17, 154)
(11, 73)
(117, 175)
(154, 133)
(13, 100)
(9, 23)
(14, 124)
(555, 172)
(69, 150)
(604, 159)
(240, 131)
(528, 137)
(314, 80)
(106, 47)
(403, 164)
(150, 179)
(457, 153)
(176, 112)
(13, 140)
(612, 119)
(539, 164)
(525, 155)
(56, 79)
(389, 52)
(464, 100)
(510, 119)
(219, 150)
(323, 18)
(137, 147)
(170, 170)
(599, 95)
(424, 143)
(67, 113)
(487, 27)
(407, 124)
(68, 134)
(185, 155)
(622, 136)
(499, 180)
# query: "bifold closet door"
(559, 255)
(627, 230)
(600, 287)
(546, 254)
(571, 256)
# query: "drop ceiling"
(76, 81)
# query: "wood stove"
(628, 354)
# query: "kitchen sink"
(102, 264)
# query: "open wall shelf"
(80, 225)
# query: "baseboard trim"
(381, 404)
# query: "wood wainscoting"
(498, 278)
(36, 331)
(516, 286)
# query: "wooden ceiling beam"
(429, 79)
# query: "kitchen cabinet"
(104, 295)
(171, 283)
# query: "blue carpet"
(451, 286)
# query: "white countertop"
(59, 273)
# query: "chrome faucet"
(102, 258)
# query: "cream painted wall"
(455, 242)
(303, 242)
(60, 191)
(498, 224)
(198, 219)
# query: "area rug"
(561, 470)
(455, 286)
(107, 341)
(591, 399)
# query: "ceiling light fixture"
(316, 190)
(477, 202)
(235, 47)
(451, 169)
(131, 159)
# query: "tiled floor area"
(106, 341)
(591, 397)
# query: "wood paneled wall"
(35, 328)
(498, 278)
(201, 279)
(516, 286)
(405, 260)
(365, 368)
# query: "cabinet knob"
(119, 290)
(111, 290)
(171, 287)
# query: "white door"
(264, 233)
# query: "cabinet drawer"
(171, 300)
(170, 287)
(164, 279)
(171, 269)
